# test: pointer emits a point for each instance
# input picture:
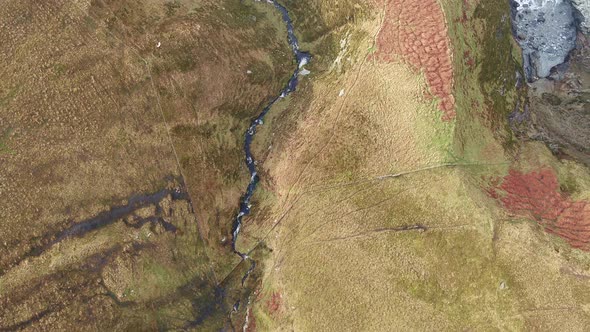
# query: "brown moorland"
(121, 127)
(375, 221)
(365, 217)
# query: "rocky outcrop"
(583, 8)
(560, 105)
(546, 32)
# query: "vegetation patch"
(417, 32)
(537, 195)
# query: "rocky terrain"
(556, 58)
(546, 31)
(429, 170)
(583, 15)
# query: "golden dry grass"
(426, 250)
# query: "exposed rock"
(583, 7)
(560, 106)
(546, 31)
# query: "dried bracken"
(417, 31)
(251, 324)
(537, 195)
(275, 303)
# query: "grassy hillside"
(383, 214)
(103, 103)
(395, 191)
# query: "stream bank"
(301, 59)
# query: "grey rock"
(546, 32)
(583, 7)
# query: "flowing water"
(302, 58)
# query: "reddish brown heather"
(251, 321)
(417, 31)
(275, 303)
(537, 195)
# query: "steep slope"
(379, 206)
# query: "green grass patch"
(4, 148)
(8, 96)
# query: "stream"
(302, 58)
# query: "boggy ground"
(122, 161)
(379, 213)
(537, 195)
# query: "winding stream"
(302, 59)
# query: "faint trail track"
(366, 181)
(348, 90)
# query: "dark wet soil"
(124, 212)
